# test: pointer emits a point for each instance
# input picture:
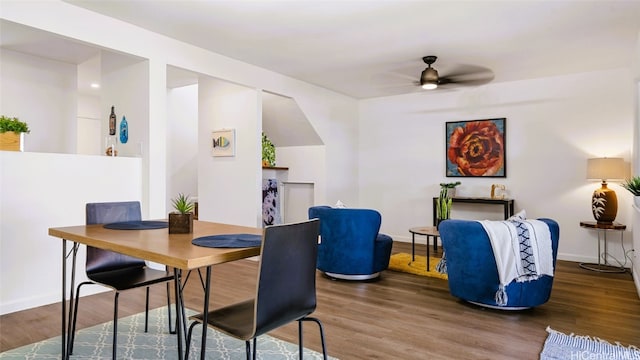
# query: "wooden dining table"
(176, 251)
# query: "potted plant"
(12, 132)
(444, 201)
(268, 152)
(181, 220)
(633, 185)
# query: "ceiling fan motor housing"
(429, 76)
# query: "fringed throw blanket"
(522, 249)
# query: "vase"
(11, 141)
(438, 222)
(180, 223)
(451, 192)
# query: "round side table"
(602, 229)
(429, 232)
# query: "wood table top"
(603, 226)
(157, 245)
(425, 230)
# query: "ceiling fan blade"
(467, 75)
(467, 82)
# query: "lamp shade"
(605, 169)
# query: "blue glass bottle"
(124, 131)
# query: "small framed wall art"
(476, 148)
(223, 142)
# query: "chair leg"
(115, 325)
(247, 345)
(255, 347)
(169, 310)
(75, 317)
(324, 347)
(300, 340)
(193, 324)
(146, 312)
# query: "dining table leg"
(67, 316)
(179, 305)
(63, 338)
(205, 317)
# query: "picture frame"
(476, 148)
(223, 142)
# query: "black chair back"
(287, 275)
(99, 260)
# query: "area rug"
(402, 262)
(157, 343)
(559, 346)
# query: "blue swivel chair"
(473, 274)
(351, 247)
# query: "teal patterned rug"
(559, 346)
(157, 343)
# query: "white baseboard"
(45, 299)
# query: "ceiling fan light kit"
(429, 77)
(468, 75)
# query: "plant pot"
(438, 222)
(636, 200)
(180, 223)
(451, 192)
(11, 141)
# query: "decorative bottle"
(124, 130)
(112, 122)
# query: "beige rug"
(402, 262)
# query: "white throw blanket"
(522, 249)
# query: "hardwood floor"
(400, 316)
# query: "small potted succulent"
(181, 220)
(12, 132)
(633, 185)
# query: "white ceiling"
(367, 48)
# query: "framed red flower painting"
(476, 148)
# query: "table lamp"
(604, 202)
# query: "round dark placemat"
(229, 241)
(137, 225)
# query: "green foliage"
(633, 185)
(450, 185)
(268, 151)
(13, 124)
(443, 208)
(183, 204)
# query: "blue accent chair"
(351, 247)
(472, 271)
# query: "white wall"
(89, 136)
(553, 125)
(182, 142)
(39, 191)
(307, 164)
(37, 90)
(636, 166)
(229, 188)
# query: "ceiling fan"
(467, 75)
